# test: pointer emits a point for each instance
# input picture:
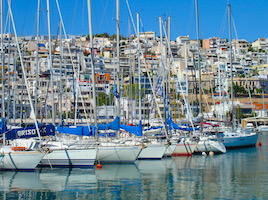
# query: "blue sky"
(250, 17)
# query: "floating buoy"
(99, 166)
(211, 153)
(204, 154)
(259, 143)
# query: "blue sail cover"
(89, 131)
(30, 131)
(173, 125)
(3, 127)
(76, 130)
(114, 125)
(136, 130)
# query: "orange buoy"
(99, 166)
(259, 143)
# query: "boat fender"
(99, 166)
(211, 153)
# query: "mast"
(163, 70)
(139, 64)
(61, 88)
(36, 57)
(168, 39)
(50, 63)
(23, 69)
(231, 63)
(2, 62)
(92, 65)
(118, 57)
(198, 52)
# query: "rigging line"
(83, 17)
(7, 22)
(191, 16)
(154, 93)
(172, 60)
(75, 12)
(25, 17)
(23, 67)
(223, 24)
(76, 73)
(147, 69)
(234, 26)
(103, 15)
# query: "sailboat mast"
(23, 69)
(231, 63)
(50, 62)
(61, 87)
(36, 56)
(139, 63)
(118, 58)
(168, 39)
(2, 62)
(92, 64)
(198, 52)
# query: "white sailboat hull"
(21, 160)
(210, 146)
(170, 149)
(118, 154)
(153, 151)
(184, 148)
(70, 158)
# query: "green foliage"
(239, 90)
(259, 90)
(106, 35)
(134, 89)
(242, 75)
(255, 72)
(251, 49)
(70, 115)
(238, 113)
(104, 99)
(103, 35)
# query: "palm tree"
(255, 72)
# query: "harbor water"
(238, 174)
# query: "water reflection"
(17, 181)
(64, 179)
(238, 174)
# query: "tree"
(134, 88)
(239, 90)
(238, 113)
(104, 99)
(259, 90)
(103, 35)
(255, 72)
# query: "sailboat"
(112, 151)
(154, 147)
(16, 157)
(236, 137)
(206, 143)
